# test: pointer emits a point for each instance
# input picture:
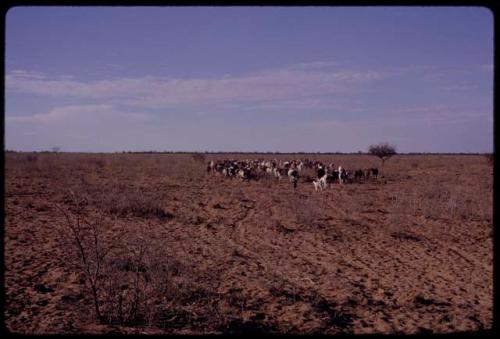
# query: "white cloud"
(80, 112)
(300, 104)
(487, 67)
(315, 64)
(19, 73)
(160, 92)
(307, 87)
(434, 114)
(403, 117)
(60, 113)
(463, 86)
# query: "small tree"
(382, 150)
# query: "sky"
(265, 79)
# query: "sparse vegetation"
(169, 249)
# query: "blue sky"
(318, 79)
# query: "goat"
(300, 166)
(358, 174)
(212, 167)
(277, 173)
(293, 174)
(367, 173)
(241, 174)
(321, 171)
(320, 183)
(341, 175)
(330, 179)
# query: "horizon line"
(246, 152)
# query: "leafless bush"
(87, 240)
(136, 283)
(126, 278)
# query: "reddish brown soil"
(410, 252)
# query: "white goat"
(320, 183)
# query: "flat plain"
(152, 243)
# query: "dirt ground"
(186, 252)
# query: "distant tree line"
(240, 152)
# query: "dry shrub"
(31, 158)
(99, 162)
(134, 283)
(124, 278)
(144, 286)
(398, 207)
(29, 162)
(124, 201)
(137, 203)
(441, 201)
(199, 157)
(47, 164)
(130, 277)
(306, 212)
(83, 237)
(457, 202)
(430, 201)
(434, 198)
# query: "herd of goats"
(256, 169)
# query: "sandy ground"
(410, 252)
